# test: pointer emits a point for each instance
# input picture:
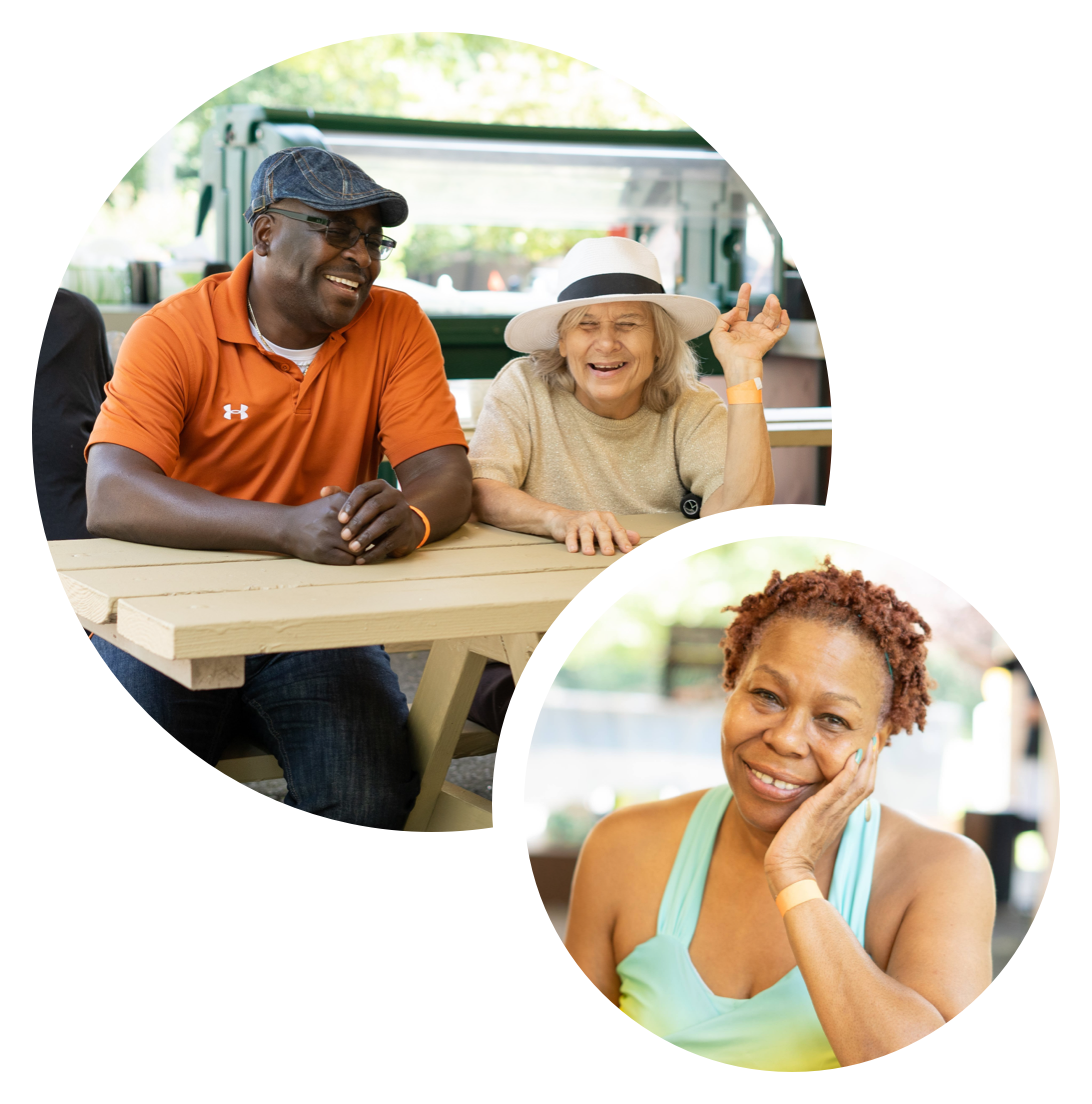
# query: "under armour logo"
(242, 411)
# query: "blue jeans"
(335, 720)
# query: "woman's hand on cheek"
(805, 836)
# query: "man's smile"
(344, 280)
(349, 288)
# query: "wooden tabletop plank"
(74, 555)
(215, 673)
(301, 618)
(106, 552)
(94, 593)
(476, 534)
(650, 525)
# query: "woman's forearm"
(497, 504)
(864, 1012)
(579, 530)
(748, 463)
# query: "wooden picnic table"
(482, 593)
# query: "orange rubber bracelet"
(428, 528)
(796, 894)
(749, 392)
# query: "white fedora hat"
(607, 270)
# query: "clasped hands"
(818, 822)
(371, 523)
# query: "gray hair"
(675, 371)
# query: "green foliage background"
(436, 75)
(429, 247)
(626, 648)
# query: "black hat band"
(610, 283)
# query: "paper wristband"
(797, 894)
(428, 528)
(749, 392)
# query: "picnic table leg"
(512, 648)
(518, 647)
(436, 719)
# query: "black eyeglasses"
(339, 237)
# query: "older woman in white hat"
(605, 414)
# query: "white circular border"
(169, 109)
(1074, 789)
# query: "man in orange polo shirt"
(238, 412)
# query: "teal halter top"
(776, 1029)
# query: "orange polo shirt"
(194, 392)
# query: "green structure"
(668, 189)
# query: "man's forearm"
(130, 498)
(137, 502)
(437, 482)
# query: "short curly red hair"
(847, 599)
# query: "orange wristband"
(428, 528)
(749, 392)
(797, 893)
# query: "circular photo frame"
(167, 110)
(653, 570)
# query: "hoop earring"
(868, 809)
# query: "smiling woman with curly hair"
(783, 921)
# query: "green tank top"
(776, 1029)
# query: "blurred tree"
(426, 249)
(434, 75)
(626, 648)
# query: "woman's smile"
(606, 370)
(776, 785)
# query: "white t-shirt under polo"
(301, 357)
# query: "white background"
(952, 450)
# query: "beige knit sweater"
(543, 441)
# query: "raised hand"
(736, 340)
(802, 839)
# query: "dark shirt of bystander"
(73, 368)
